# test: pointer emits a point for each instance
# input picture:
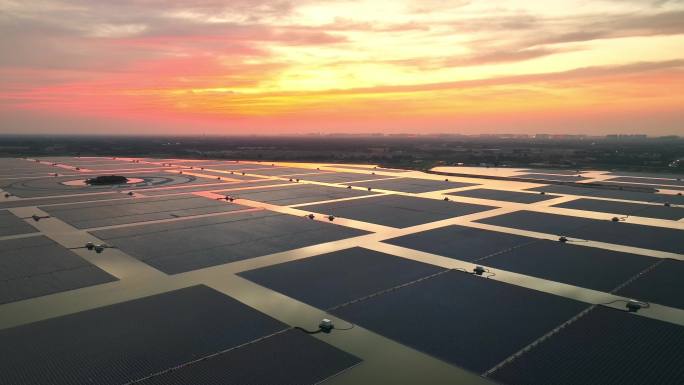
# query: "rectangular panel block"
(558, 171)
(60, 200)
(99, 214)
(468, 321)
(397, 210)
(502, 195)
(621, 233)
(656, 187)
(215, 186)
(561, 178)
(277, 171)
(597, 269)
(662, 285)
(10, 224)
(37, 266)
(654, 181)
(131, 340)
(413, 185)
(192, 244)
(606, 346)
(341, 177)
(626, 208)
(291, 357)
(241, 166)
(331, 279)
(292, 194)
(460, 242)
(611, 193)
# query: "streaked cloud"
(212, 61)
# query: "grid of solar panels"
(509, 333)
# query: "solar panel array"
(219, 272)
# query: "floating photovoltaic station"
(234, 272)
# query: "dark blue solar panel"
(292, 194)
(332, 279)
(10, 224)
(197, 243)
(663, 285)
(554, 177)
(37, 266)
(558, 171)
(506, 196)
(621, 233)
(465, 320)
(397, 210)
(626, 208)
(460, 242)
(291, 357)
(131, 340)
(588, 267)
(611, 193)
(413, 185)
(99, 214)
(275, 171)
(641, 186)
(341, 177)
(60, 200)
(607, 347)
(664, 181)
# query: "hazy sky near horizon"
(299, 66)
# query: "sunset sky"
(301, 66)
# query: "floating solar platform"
(460, 242)
(132, 340)
(397, 210)
(199, 336)
(468, 321)
(100, 214)
(290, 357)
(621, 233)
(503, 195)
(10, 224)
(611, 193)
(553, 177)
(341, 177)
(332, 279)
(292, 194)
(413, 185)
(662, 285)
(606, 346)
(597, 269)
(37, 266)
(625, 208)
(177, 247)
